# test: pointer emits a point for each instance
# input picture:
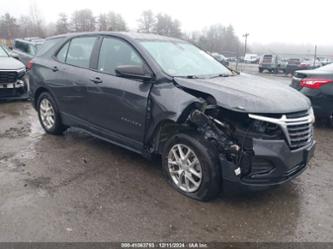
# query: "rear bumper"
(273, 164)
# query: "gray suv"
(157, 95)
(26, 48)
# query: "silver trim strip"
(284, 122)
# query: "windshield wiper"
(189, 77)
(220, 75)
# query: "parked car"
(317, 85)
(232, 59)
(251, 58)
(309, 64)
(325, 61)
(12, 71)
(271, 63)
(163, 96)
(221, 58)
(26, 49)
(292, 65)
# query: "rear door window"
(62, 54)
(115, 52)
(79, 51)
(47, 45)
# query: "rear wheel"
(191, 167)
(49, 115)
(261, 70)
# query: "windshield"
(182, 59)
(3, 53)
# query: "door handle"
(97, 80)
(55, 69)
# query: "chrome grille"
(300, 131)
(8, 76)
(297, 127)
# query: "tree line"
(216, 38)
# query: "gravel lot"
(78, 188)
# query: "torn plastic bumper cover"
(257, 164)
(273, 163)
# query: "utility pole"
(245, 36)
(315, 56)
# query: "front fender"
(167, 103)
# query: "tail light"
(314, 83)
(29, 65)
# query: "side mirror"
(133, 71)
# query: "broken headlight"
(266, 129)
(21, 73)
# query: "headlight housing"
(20, 73)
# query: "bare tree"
(165, 25)
(36, 22)
(62, 25)
(9, 29)
(111, 22)
(51, 29)
(116, 22)
(102, 22)
(83, 20)
(217, 38)
(146, 22)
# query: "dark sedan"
(317, 84)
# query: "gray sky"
(290, 21)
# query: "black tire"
(261, 70)
(210, 185)
(57, 128)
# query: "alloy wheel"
(184, 168)
(47, 113)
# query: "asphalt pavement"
(78, 188)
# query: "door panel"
(72, 76)
(119, 104)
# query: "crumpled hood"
(9, 63)
(248, 93)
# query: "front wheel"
(49, 115)
(192, 167)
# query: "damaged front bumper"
(273, 163)
(13, 91)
